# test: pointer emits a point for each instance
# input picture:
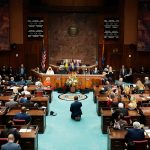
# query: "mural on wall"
(4, 25)
(143, 43)
(73, 36)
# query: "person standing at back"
(75, 109)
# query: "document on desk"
(25, 130)
(147, 132)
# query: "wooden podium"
(59, 80)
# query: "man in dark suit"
(10, 130)
(123, 110)
(75, 108)
(23, 115)
(11, 145)
(123, 72)
(134, 134)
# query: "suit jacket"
(124, 111)
(134, 135)
(11, 104)
(123, 73)
(75, 108)
(11, 146)
(23, 116)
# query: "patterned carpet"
(70, 96)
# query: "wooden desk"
(116, 139)
(2, 115)
(146, 113)
(38, 118)
(29, 140)
(43, 100)
(106, 118)
(102, 102)
(59, 80)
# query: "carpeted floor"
(62, 133)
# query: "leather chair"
(128, 119)
(39, 93)
(19, 122)
(3, 141)
(141, 145)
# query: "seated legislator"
(134, 134)
(23, 115)
(10, 130)
(120, 123)
(26, 91)
(11, 145)
(49, 71)
(47, 82)
(12, 103)
(139, 86)
(95, 71)
(12, 81)
(147, 82)
(123, 110)
(75, 109)
(23, 98)
(133, 104)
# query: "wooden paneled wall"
(116, 52)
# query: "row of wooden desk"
(59, 80)
(101, 101)
(107, 114)
(38, 117)
(29, 136)
(116, 139)
(43, 100)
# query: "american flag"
(43, 61)
(103, 50)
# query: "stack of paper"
(25, 130)
(148, 132)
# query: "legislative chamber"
(75, 74)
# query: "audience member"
(134, 134)
(11, 145)
(50, 71)
(123, 72)
(12, 81)
(12, 103)
(10, 130)
(47, 82)
(22, 71)
(23, 98)
(129, 76)
(95, 71)
(120, 82)
(133, 104)
(75, 109)
(23, 115)
(120, 123)
(123, 110)
(25, 90)
(147, 82)
(11, 72)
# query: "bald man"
(11, 145)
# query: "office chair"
(39, 93)
(3, 141)
(128, 119)
(19, 122)
(141, 145)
